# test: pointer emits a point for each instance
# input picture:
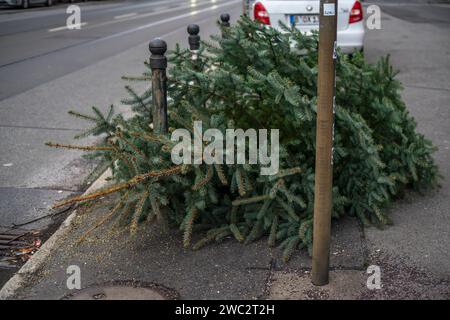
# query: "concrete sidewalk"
(413, 253)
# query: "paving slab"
(344, 285)
(347, 248)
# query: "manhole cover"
(117, 293)
(123, 291)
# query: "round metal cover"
(123, 291)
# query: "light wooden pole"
(324, 142)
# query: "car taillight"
(261, 14)
(356, 14)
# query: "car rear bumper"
(352, 38)
(348, 40)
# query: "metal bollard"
(158, 64)
(194, 39)
(225, 19)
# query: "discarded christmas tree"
(252, 78)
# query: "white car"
(305, 15)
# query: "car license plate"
(305, 19)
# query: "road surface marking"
(65, 27)
(134, 16)
(149, 14)
(125, 15)
(174, 18)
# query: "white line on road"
(175, 18)
(75, 26)
(125, 15)
(134, 16)
(152, 14)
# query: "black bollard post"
(158, 64)
(224, 23)
(225, 19)
(194, 39)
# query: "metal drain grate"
(17, 245)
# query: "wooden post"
(324, 143)
(158, 64)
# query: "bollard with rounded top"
(194, 38)
(158, 48)
(158, 64)
(225, 19)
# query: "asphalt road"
(46, 70)
(36, 47)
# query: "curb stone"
(37, 260)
